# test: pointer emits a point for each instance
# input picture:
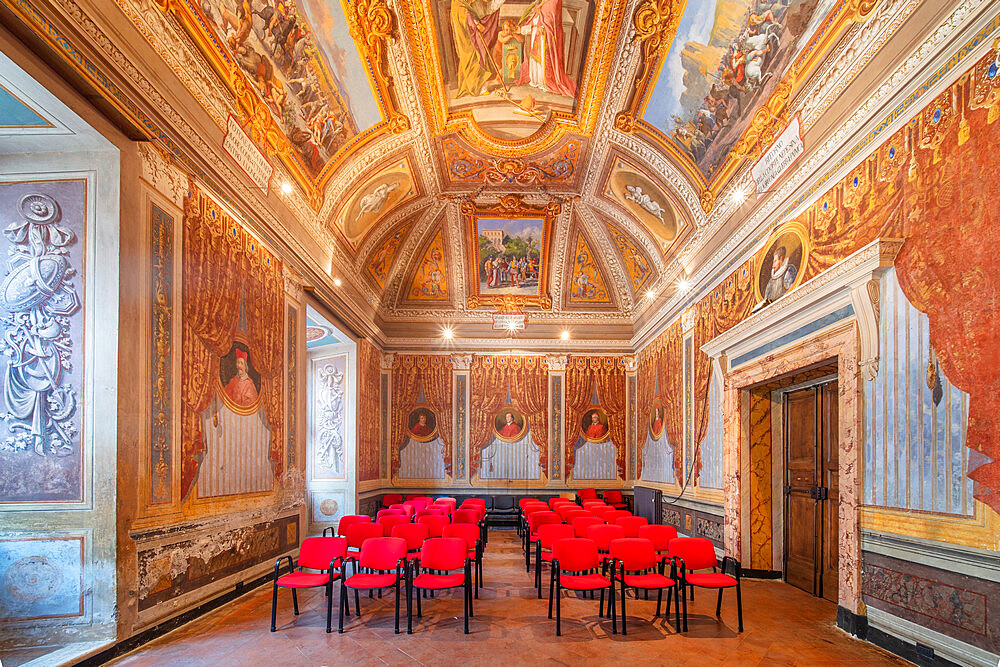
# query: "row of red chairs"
(378, 563)
(634, 562)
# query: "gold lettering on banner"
(251, 159)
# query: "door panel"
(800, 476)
(830, 506)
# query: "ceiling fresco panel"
(511, 63)
(719, 76)
(381, 262)
(304, 88)
(509, 253)
(637, 266)
(587, 282)
(430, 280)
(462, 165)
(635, 190)
(378, 196)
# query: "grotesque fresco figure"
(240, 389)
(783, 275)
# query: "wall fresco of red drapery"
(410, 374)
(933, 183)
(223, 263)
(369, 369)
(608, 375)
(527, 380)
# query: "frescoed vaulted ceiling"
(567, 158)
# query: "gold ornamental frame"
(656, 23)
(372, 26)
(511, 207)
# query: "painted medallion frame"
(414, 417)
(499, 419)
(602, 417)
(793, 238)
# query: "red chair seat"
(304, 579)
(584, 582)
(619, 506)
(438, 581)
(711, 580)
(413, 556)
(367, 580)
(650, 581)
(547, 556)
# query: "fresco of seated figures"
(511, 63)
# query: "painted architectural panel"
(328, 418)
(430, 282)
(587, 283)
(41, 578)
(42, 365)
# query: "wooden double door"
(811, 489)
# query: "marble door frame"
(840, 343)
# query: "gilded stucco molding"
(159, 171)
(600, 240)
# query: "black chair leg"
(677, 608)
(396, 629)
(739, 605)
(683, 596)
(343, 603)
(329, 605)
(624, 628)
(295, 602)
(600, 608)
(659, 599)
(466, 598)
(552, 583)
(274, 605)
(357, 603)
(718, 605)
(559, 611)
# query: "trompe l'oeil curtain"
(527, 381)
(222, 264)
(410, 374)
(647, 393)
(607, 375)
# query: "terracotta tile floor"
(782, 625)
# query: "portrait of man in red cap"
(241, 389)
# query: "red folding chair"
(382, 513)
(521, 504)
(602, 535)
(470, 534)
(698, 553)
(325, 554)
(349, 520)
(390, 499)
(388, 522)
(359, 533)
(586, 494)
(631, 524)
(529, 509)
(547, 535)
(385, 562)
(575, 514)
(615, 499)
(582, 523)
(591, 504)
(431, 511)
(602, 510)
(471, 516)
(613, 516)
(434, 523)
(534, 521)
(407, 509)
(556, 502)
(438, 559)
(575, 562)
(637, 556)
(659, 535)
(414, 534)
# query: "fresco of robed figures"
(301, 59)
(510, 255)
(511, 62)
(725, 62)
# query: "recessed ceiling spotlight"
(650, 294)
(448, 333)
(338, 282)
(512, 325)
(739, 195)
(286, 188)
(683, 285)
(565, 335)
